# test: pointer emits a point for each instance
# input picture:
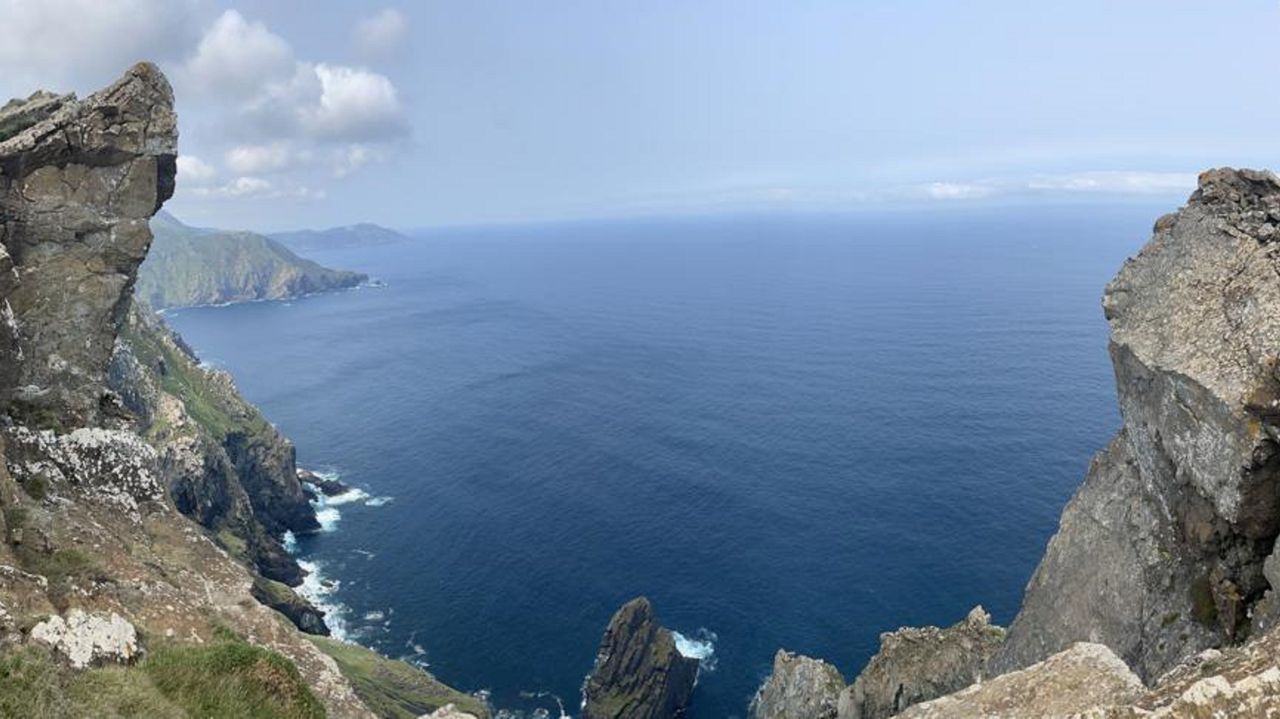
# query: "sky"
(312, 113)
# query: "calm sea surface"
(787, 431)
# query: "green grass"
(230, 678)
(394, 689)
(225, 679)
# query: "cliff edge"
(1157, 594)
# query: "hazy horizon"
(301, 114)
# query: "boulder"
(89, 639)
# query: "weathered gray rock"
(1082, 678)
(639, 673)
(919, 664)
(78, 181)
(1161, 552)
(798, 688)
(89, 639)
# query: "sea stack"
(639, 673)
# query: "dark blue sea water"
(787, 431)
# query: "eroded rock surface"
(1161, 553)
(78, 182)
(1082, 678)
(798, 688)
(639, 673)
(917, 664)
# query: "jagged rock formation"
(192, 266)
(639, 673)
(798, 688)
(918, 664)
(96, 562)
(78, 181)
(223, 463)
(1167, 551)
(1161, 552)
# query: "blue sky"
(459, 111)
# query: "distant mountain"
(364, 234)
(195, 266)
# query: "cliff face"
(78, 181)
(1161, 552)
(110, 433)
(1165, 553)
(189, 266)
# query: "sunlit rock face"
(78, 181)
(1160, 554)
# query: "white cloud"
(239, 58)
(380, 34)
(1120, 182)
(259, 159)
(353, 157)
(354, 104)
(957, 190)
(83, 44)
(194, 171)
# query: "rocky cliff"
(190, 266)
(639, 672)
(78, 181)
(1162, 570)
(113, 601)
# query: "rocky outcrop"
(639, 673)
(1161, 552)
(918, 664)
(194, 417)
(89, 639)
(1080, 679)
(78, 182)
(798, 688)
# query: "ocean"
(788, 431)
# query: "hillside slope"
(364, 234)
(190, 266)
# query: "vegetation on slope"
(395, 689)
(227, 678)
(189, 266)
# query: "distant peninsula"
(364, 234)
(189, 266)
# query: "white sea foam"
(701, 646)
(354, 494)
(290, 541)
(319, 590)
(377, 501)
(374, 616)
(328, 518)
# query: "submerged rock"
(78, 182)
(1161, 552)
(798, 688)
(918, 664)
(639, 673)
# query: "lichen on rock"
(88, 639)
